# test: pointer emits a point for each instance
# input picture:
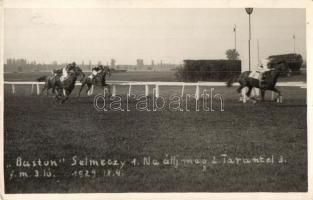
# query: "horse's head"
(82, 76)
(107, 70)
(77, 72)
(280, 67)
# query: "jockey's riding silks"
(93, 74)
(66, 70)
(264, 67)
(64, 74)
(95, 71)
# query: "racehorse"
(64, 88)
(49, 83)
(99, 79)
(269, 81)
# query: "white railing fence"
(156, 86)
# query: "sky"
(167, 34)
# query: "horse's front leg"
(48, 88)
(81, 88)
(279, 98)
(90, 89)
(58, 95)
(43, 89)
(65, 98)
(248, 93)
(109, 89)
(239, 89)
(54, 87)
(66, 93)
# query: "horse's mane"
(273, 74)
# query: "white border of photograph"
(308, 4)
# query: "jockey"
(264, 67)
(57, 72)
(95, 71)
(66, 70)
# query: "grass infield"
(35, 127)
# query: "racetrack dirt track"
(38, 127)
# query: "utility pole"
(235, 30)
(258, 53)
(294, 43)
(249, 12)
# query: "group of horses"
(64, 88)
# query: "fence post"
(147, 90)
(182, 90)
(13, 89)
(114, 91)
(38, 89)
(243, 93)
(32, 90)
(197, 92)
(129, 89)
(157, 91)
(105, 91)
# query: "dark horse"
(99, 79)
(65, 88)
(269, 81)
(49, 83)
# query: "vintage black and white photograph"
(154, 100)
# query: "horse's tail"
(231, 80)
(42, 79)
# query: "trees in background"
(232, 54)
